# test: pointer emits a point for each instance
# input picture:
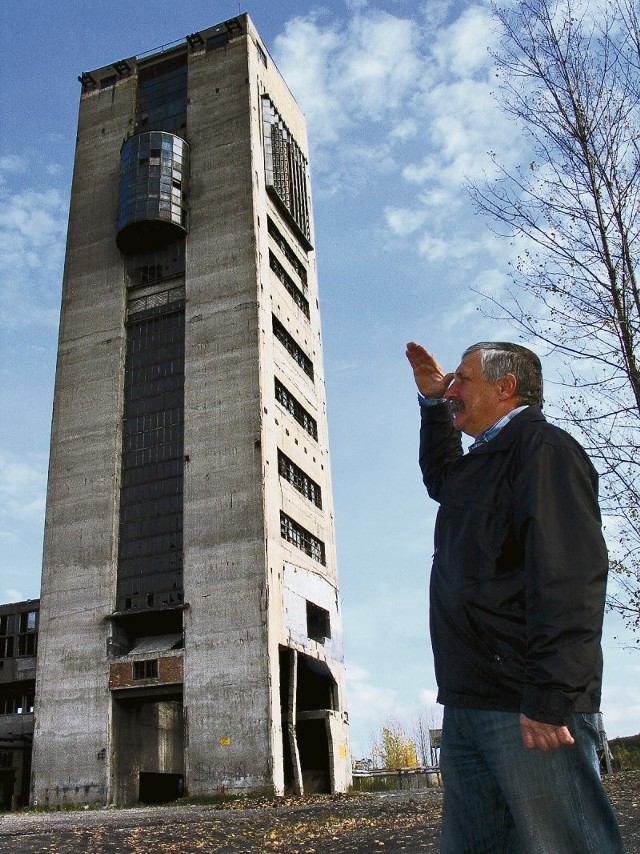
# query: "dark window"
(287, 251)
(295, 408)
(302, 482)
(292, 347)
(28, 621)
(294, 291)
(318, 622)
(294, 533)
(162, 95)
(145, 669)
(6, 647)
(218, 40)
(150, 543)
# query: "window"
(292, 289)
(218, 40)
(28, 621)
(292, 347)
(302, 482)
(262, 56)
(287, 251)
(6, 647)
(286, 399)
(28, 637)
(294, 533)
(318, 622)
(150, 541)
(145, 669)
(285, 168)
(162, 95)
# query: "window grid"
(287, 251)
(162, 95)
(292, 347)
(293, 290)
(148, 267)
(298, 536)
(299, 479)
(285, 167)
(300, 414)
(150, 534)
(147, 669)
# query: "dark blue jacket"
(519, 570)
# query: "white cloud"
(462, 49)
(22, 486)
(32, 234)
(404, 221)
(12, 595)
(13, 163)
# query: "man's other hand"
(539, 736)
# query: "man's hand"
(541, 736)
(429, 376)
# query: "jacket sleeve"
(440, 446)
(565, 566)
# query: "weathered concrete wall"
(226, 680)
(72, 693)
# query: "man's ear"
(507, 387)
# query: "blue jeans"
(501, 797)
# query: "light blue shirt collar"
(491, 432)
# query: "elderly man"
(516, 606)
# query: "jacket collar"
(508, 433)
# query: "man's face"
(476, 402)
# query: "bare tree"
(569, 75)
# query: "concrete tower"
(190, 630)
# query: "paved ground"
(364, 824)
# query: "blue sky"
(398, 99)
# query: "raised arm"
(431, 380)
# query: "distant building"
(190, 626)
(18, 648)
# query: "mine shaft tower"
(190, 634)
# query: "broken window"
(292, 289)
(286, 399)
(294, 533)
(150, 542)
(292, 347)
(28, 621)
(287, 251)
(318, 622)
(285, 168)
(298, 478)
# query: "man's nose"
(452, 391)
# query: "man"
(516, 606)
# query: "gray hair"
(499, 358)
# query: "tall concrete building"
(190, 633)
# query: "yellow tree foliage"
(397, 751)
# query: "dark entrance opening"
(307, 697)
(158, 788)
(7, 785)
